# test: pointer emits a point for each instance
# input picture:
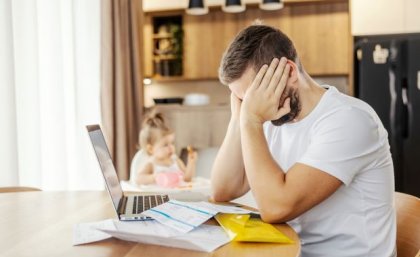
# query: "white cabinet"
(412, 16)
(375, 17)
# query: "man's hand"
(235, 106)
(261, 100)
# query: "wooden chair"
(408, 225)
(17, 189)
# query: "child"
(161, 165)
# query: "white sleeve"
(343, 143)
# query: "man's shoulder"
(340, 107)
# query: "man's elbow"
(272, 214)
(220, 195)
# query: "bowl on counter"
(169, 100)
(196, 99)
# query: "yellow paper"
(243, 228)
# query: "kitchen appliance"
(196, 99)
(387, 76)
(168, 100)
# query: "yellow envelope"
(241, 227)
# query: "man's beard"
(295, 107)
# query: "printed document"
(186, 216)
(205, 238)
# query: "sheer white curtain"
(49, 79)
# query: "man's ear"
(149, 149)
(294, 72)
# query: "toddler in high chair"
(161, 166)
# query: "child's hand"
(192, 155)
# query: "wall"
(219, 94)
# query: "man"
(311, 156)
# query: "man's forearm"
(228, 176)
(266, 179)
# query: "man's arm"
(228, 179)
(279, 196)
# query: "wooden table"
(41, 224)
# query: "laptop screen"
(107, 166)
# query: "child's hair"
(153, 128)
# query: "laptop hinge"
(121, 205)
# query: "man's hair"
(253, 47)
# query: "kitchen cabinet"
(148, 46)
(207, 37)
(379, 17)
(412, 18)
(320, 31)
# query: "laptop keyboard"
(145, 202)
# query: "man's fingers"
(269, 73)
(259, 76)
(281, 85)
(279, 71)
(285, 109)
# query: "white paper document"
(224, 208)
(177, 224)
(186, 216)
(204, 238)
(182, 216)
(84, 233)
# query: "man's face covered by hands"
(240, 86)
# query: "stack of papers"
(177, 224)
(206, 238)
(186, 216)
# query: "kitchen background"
(103, 63)
(182, 52)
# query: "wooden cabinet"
(208, 36)
(148, 46)
(320, 31)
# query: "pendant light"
(233, 6)
(196, 7)
(271, 5)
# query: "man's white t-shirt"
(343, 137)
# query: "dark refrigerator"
(387, 76)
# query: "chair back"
(408, 225)
(138, 160)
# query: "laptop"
(127, 207)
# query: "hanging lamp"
(233, 6)
(196, 7)
(271, 5)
